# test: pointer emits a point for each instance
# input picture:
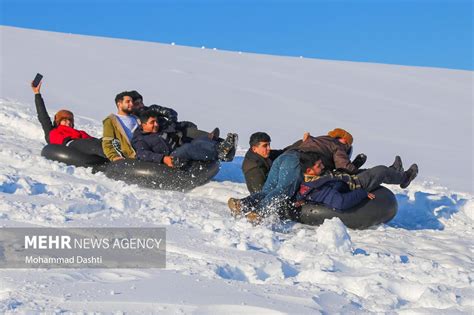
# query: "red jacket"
(62, 134)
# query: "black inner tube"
(71, 156)
(160, 176)
(144, 174)
(366, 214)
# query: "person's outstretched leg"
(202, 149)
(182, 152)
(373, 177)
(286, 184)
(282, 183)
(272, 178)
(90, 146)
(206, 149)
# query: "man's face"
(138, 104)
(262, 149)
(316, 169)
(126, 105)
(151, 126)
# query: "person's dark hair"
(146, 114)
(259, 137)
(308, 159)
(119, 97)
(135, 95)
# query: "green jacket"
(113, 130)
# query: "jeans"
(283, 182)
(200, 149)
(373, 177)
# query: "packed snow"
(421, 262)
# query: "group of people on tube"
(314, 170)
(148, 133)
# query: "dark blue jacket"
(331, 192)
(152, 147)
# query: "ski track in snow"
(421, 262)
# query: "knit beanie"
(63, 114)
(341, 133)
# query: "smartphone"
(37, 80)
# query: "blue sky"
(408, 32)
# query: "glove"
(359, 160)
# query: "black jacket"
(153, 147)
(184, 131)
(256, 169)
(43, 116)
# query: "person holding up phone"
(61, 130)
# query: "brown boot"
(235, 207)
(253, 217)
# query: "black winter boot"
(359, 160)
(410, 175)
(214, 134)
(397, 164)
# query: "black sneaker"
(397, 164)
(410, 175)
(227, 148)
(359, 160)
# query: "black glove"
(359, 160)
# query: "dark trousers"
(195, 133)
(91, 146)
(373, 177)
(200, 149)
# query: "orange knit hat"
(341, 133)
(63, 114)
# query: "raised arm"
(41, 111)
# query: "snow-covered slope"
(423, 114)
(421, 262)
